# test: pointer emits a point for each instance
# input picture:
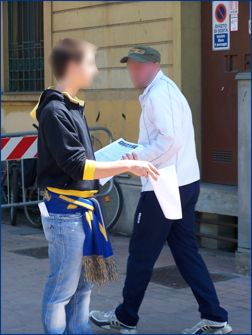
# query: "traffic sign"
(220, 28)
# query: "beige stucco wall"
(191, 62)
(114, 27)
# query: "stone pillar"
(244, 172)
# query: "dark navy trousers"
(151, 231)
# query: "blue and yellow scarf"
(98, 260)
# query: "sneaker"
(209, 327)
(108, 320)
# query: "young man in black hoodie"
(68, 172)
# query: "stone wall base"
(243, 261)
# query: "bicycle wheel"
(32, 212)
(112, 205)
(14, 195)
(4, 191)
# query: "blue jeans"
(65, 306)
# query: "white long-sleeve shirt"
(166, 130)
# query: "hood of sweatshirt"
(52, 94)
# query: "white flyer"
(114, 152)
(43, 209)
(167, 192)
(234, 22)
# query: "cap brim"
(124, 59)
(137, 58)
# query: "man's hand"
(131, 156)
(142, 169)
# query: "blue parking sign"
(220, 41)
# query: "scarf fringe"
(100, 270)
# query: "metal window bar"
(25, 46)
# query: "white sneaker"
(209, 327)
(108, 320)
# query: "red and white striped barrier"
(20, 147)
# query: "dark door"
(219, 96)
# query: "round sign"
(220, 13)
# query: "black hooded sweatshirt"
(64, 144)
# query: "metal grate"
(41, 252)
(170, 276)
(223, 156)
(25, 46)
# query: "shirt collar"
(156, 78)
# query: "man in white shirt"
(167, 136)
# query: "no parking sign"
(221, 30)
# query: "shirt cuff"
(89, 170)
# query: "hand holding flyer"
(165, 188)
(114, 152)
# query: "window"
(25, 46)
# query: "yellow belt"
(76, 193)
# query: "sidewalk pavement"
(165, 310)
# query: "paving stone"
(165, 310)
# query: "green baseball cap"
(142, 54)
